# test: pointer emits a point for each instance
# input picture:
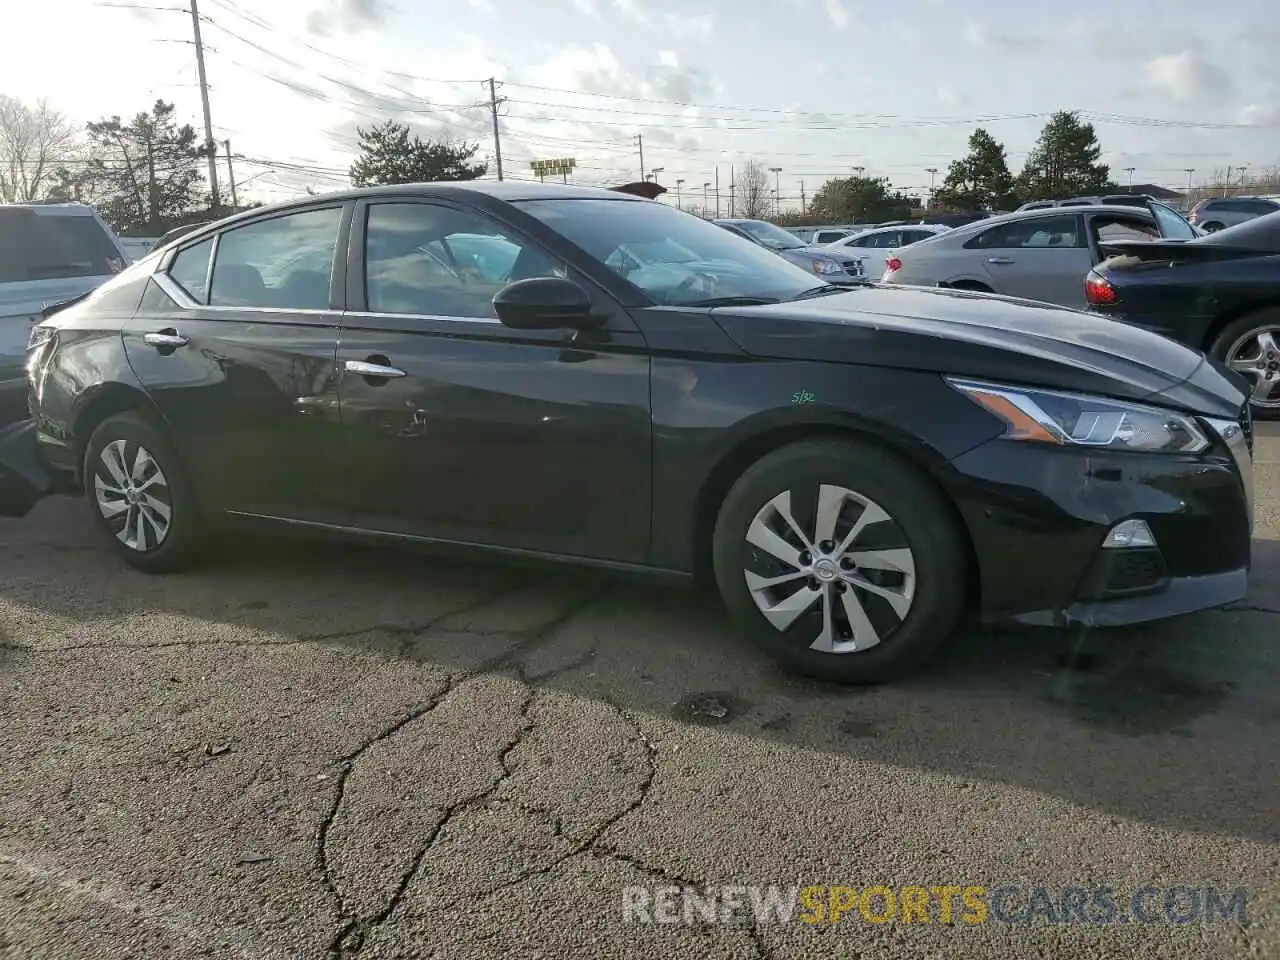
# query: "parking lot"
(311, 751)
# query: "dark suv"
(1219, 213)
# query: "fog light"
(1129, 533)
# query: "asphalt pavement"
(322, 751)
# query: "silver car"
(877, 246)
(1036, 254)
(1218, 213)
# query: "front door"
(235, 342)
(460, 428)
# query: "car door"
(235, 341)
(460, 428)
(1040, 257)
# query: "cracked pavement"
(301, 751)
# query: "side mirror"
(545, 303)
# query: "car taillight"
(1098, 290)
(892, 264)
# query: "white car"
(875, 247)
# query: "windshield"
(769, 235)
(676, 258)
(47, 246)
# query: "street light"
(1243, 168)
(1129, 171)
(655, 171)
(932, 172)
(679, 184)
(777, 186)
(705, 187)
(774, 194)
(859, 170)
(1189, 171)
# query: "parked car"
(877, 246)
(1219, 293)
(49, 252)
(1218, 213)
(1036, 254)
(830, 266)
(824, 237)
(853, 468)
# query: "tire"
(1239, 346)
(132, 475)
(973, 286)
(875, 638)
(1213, 226)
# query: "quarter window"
(285, 262)
(190, 269)
(1031, 233)
(427, 260)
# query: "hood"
(981, 336)
(28, 298)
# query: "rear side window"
(1110, 229)
(47, 246)
(190, 269)
(284, 263)
(1031, 233)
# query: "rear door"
(462, 429)
(1041, 258)
(235, 342)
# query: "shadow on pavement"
(1106, 720)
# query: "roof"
(1049, 212)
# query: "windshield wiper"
(732, 302)
(825, 290)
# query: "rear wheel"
(842, 562)
(1213, 226)
(1251, 346)
(140, 496)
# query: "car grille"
(1125, 571)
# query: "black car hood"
(981, 336)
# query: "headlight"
(825, 268)
(1045, 416)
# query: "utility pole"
(494, 103)
(733, 176)
(717, 191)
(706, 186)
(153, 195)
(231, 176)
(640, 147)
(777, 189)
(802, 203)
(211, 148)
(679, 184)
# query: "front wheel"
(1251, 346)
(844, 563)
(140, 496)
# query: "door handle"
(366, 369)
(166, 338)
(999, 259)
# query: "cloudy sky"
(816, 87)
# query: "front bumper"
(1038, 517)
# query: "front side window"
(283, 263)
(1031, 233)
(699, 260)
(427, 260)
(1172, 226)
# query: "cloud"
(348, 14)
(632, 10)
(837, 13)
(668, 58)
(975, 34)
(1260, 115)
(1187, 76)
(698, 26)
(483, 6)
(587, 8)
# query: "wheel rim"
(1257, 356)
(133, 495)
(829, 567)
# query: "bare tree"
(751, 191)
(33, 141)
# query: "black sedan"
(1218, 293)
(495, 368)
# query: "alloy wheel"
(831, 567)
(1257, 356)
(133, 495)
